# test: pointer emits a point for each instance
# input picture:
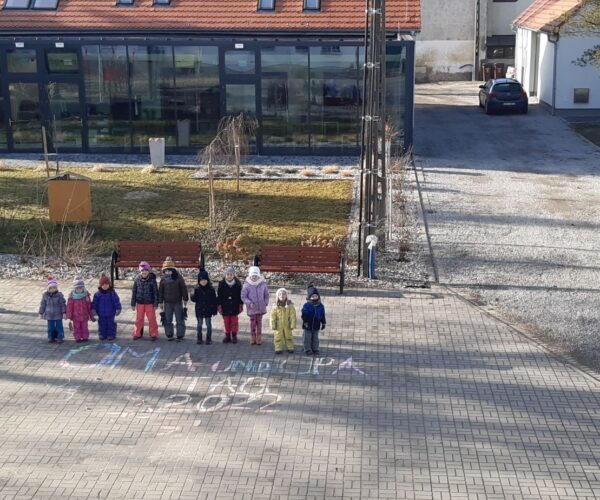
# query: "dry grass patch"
(331, 170)
(307, 172)
(102, 168)
(270, 211)
(150, 169)
(347, 173)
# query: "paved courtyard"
(417, 394)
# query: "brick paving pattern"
(416, 394)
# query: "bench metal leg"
(201, 265)
(113, 267)
(342, 272)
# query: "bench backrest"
(309, 256)
(130, 253)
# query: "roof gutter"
(166, 34)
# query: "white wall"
(445, 46)
(571, 76)
(444, 60)
(501, 15)
(545, 69)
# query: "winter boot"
(227, 338)
(253, 339)
(259, 338)
(208, 339)
(199, 340)
(234, 338)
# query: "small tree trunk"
(236, 147)
(211, 194)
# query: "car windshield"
(507, 87)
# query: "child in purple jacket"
(255, 295)
(53, 309)
(106, 305)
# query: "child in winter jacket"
(144, 300)
(53, 309)
(79, 311)
(255, 295)
(313, 320)
(173, 297)
(106, 305)
(230, 305)
(283, 322)
(205, 298)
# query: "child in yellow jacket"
(283, 322)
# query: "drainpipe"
(553, 39)
(476, 45)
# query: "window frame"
(307, 8)
(7, 7)
(261, 8)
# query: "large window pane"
(198, 95)
(153, 94)
(395, 60)
(25, 115)
(21, 61)
(241, 98)
(334, 96)
(60, 61)
(107, 96)
(65, 113)
(239, 62)
(284, 97)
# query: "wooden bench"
(298, 259)
(186, 254)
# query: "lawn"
(269, 211)
(591, 131)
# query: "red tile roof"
(547, 15)
(207, 15)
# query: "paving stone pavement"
(416, 394)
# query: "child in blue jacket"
(313, 320)
(106, 305)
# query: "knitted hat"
(144, 266)
(280, 291)
(52, 282)
(229, 270)
(168, 264)
(254, 271)
(312, 290)
(104, 280)
(203, 275)
(78, 282)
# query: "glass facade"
(113, 96)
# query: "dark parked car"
(503, 94)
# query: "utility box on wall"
(70, 198)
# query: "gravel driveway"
(513, 205)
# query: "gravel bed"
(391, 273)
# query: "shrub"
(307, 172)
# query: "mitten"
(162, 318)
(241, 307)
(219, 309)
(306, 326)
(118, 312)
(185, 313)
(323, 326)
(70, 326)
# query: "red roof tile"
(547, 15)
(207, 15)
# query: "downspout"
(476, 45)
(553, 39)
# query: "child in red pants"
(229, 304)
(144, 301)
(79, 311)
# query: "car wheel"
(524, 110)
(488, 110)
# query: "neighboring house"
(548, 46)
(457, 37)
(106, 75)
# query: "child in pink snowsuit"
(255, 295)
(79, 311)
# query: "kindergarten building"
(104, 76)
